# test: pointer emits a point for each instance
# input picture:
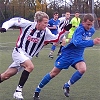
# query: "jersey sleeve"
(79, 41)
(17, 21)
(51, 38)
(61, 23)
(49, 23)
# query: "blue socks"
(75, 77)
(43, 82)
(53, 47)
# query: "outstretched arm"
(17, 21)
(80, 40)
(51, 38)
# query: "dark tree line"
(27, 8)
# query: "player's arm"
(17, 21)
(51, 38)
(79, 41)
(50, 26)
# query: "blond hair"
(39, 15)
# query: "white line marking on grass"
(7, 42)
(85, 49)
(93, 49)
(3, 46)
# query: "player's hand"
(54, 27)
(68, 27)
(2, 30)
(96, 41)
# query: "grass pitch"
(87, 88)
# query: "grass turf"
(87, 88)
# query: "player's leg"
(70, 36)
(25, 63)
(52, 51)
(81, 68)
(60, 64)
(28, 67)
(11, 71)
(46, 79)
(7, 74)
(62, 45)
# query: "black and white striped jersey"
(30, 39)
(63, 22)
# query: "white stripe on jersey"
(31, 40)
(63, 22)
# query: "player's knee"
(82, 70)
(30, 68)
(53, 74)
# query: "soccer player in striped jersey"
(63, 21)
(33, 36)
(53, 25)
(72, 55)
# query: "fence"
(8, 11)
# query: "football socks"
(75, 77)
(23, 78)
(53, 47)
(43, 82)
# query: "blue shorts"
(63, 61)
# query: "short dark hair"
(76, 12)
(88, 17)
(55, 13)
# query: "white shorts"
(19, 56)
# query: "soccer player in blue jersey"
(72, 55)
(53, 25)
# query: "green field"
(88, 88)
